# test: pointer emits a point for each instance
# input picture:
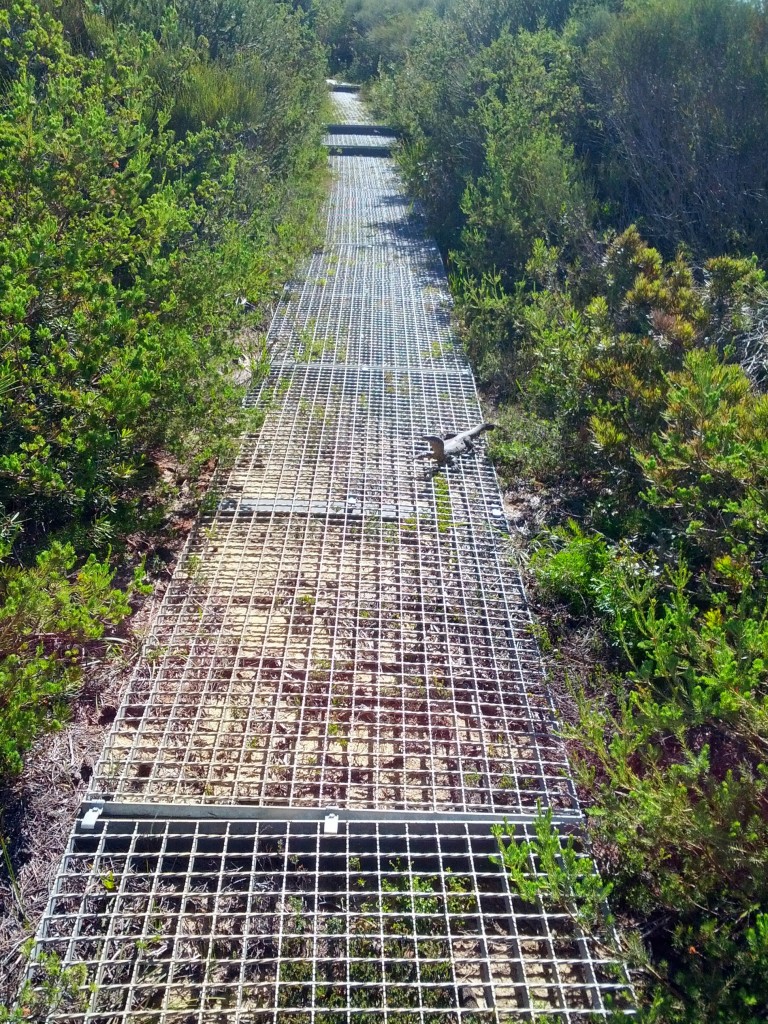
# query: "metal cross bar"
(362, 129)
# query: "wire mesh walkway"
(290, 821)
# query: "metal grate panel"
(351, 438)
(367, 206)
(281, 924)
(309, 663)
(387, 305)
(346, 628)
(349, 109)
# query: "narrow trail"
(290, 821)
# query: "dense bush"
(148, 177)
(630, 378)
(362, 35)
(660, 119)
(662, 453)
(681, 90)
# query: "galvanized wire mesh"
(367, 208)
(346, 629)
(278, 923)
(348, 107)
(375, 305)
(316, 658)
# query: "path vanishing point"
(291, 819)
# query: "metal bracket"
(331, 825)
(91, 816)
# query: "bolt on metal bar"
(257, 812)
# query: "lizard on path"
(444, 448)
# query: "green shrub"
(211, 93)
(149, 178)
(678, 89)
(58, 989)
(50, 615)
(708, 469)
(567, 565)
(526, 445)
(685, 838)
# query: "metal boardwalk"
(290, 821)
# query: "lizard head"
(436, 443)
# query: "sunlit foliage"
(156, 163)
(595, 171)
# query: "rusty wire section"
(275, 923)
